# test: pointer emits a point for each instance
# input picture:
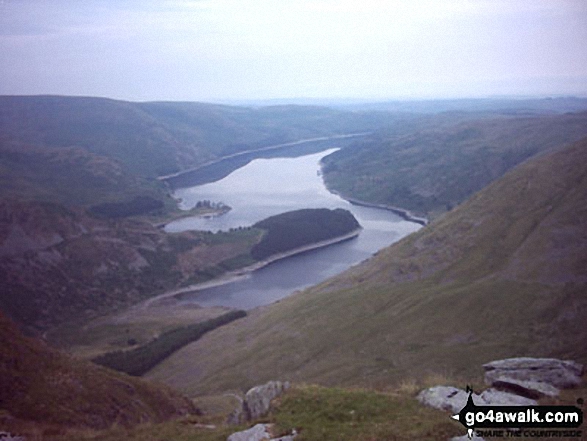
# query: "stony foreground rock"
(453, 399)
(514, 381)
(257, 402)
(259, 432)
(446, 398)
(526, 388)
(258, 399)
(494, 397)
(561, 374)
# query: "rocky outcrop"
(446, 398)
(258, 399)
(453, 399)
(257, 402)
(514, 381)
(259, 432)
(500, 398)
(528, 375)
(526, 388)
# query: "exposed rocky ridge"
(42, 385)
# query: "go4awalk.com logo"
(518, 421)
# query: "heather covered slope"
(45, 387)
(504, 274)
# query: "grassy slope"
(74, 393)
(317, 414)
(433, 168)
(502, 275)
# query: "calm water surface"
(266, 187)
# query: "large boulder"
(493, 397)
(257, 402)
(259, 432)
(453, 399)
(557, 373)
(258, 399)
(526, 388)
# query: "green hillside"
(431, 168)
(504, 274)
(43, 389)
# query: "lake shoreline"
(401, 212)
(260, 150)
(241, 273)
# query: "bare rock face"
(258, 399)
(257, 402)
(560, 374)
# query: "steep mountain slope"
(504, 274)
(44, 386)
(433, 168)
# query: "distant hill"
(511, 105)
(83, 151)
(431, 168)
(504, 105)
(48, 389)
(504, 274)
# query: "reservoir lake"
(266, 187)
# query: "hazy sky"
(256, 49)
